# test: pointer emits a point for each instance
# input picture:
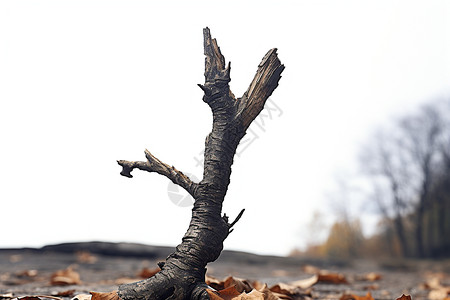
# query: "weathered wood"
(183, 273)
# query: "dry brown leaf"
(433, 283)
(268, 295)
(404, 297)
(231, 293)
(306, 283)
(225, 294)
(82, 297)
(334, 278)
(6, 296)
(214, 282)
(356, 297)
(285, 289)
(438, 294)
(257, 295)
(105, 296)
(253, 295)
(282, 296)
(49, 297)
(147, 273)
(257, 285)
(213, 295)
(65, 277)
(437, 291)
(241, 285)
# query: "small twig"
(237, 218)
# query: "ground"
(103, 266)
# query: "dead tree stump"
(182, 275)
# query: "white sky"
(84, 83)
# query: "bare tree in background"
(385, 163)
(409, 163)
(439, 206)
(421, 132)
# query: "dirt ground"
(103, 266)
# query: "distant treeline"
(408, 170)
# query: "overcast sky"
(84, 83)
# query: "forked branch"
(155, 165)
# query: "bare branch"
(263, 84)
(237, 218)
(155, 165)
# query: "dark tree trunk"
(400, 230)
(422, 206)
(398, 219)
(182, 275)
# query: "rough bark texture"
(183, 273)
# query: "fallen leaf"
(404, 297)
(50, 297)
(225, 294)
(433, 283)
(257, 285)
(306, 283)
(356, 297)
(438, 294)
(213, 295)
(65, 277)
(334, 278)
(253, 295)
(241, 285)
(82, 297)
(267, 294)
(105, 296)
(286, 289)
(437, 291)
(214, 282)
(231, 293)
(6, 296)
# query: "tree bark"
(182, 275)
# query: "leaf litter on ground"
(234, 288)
